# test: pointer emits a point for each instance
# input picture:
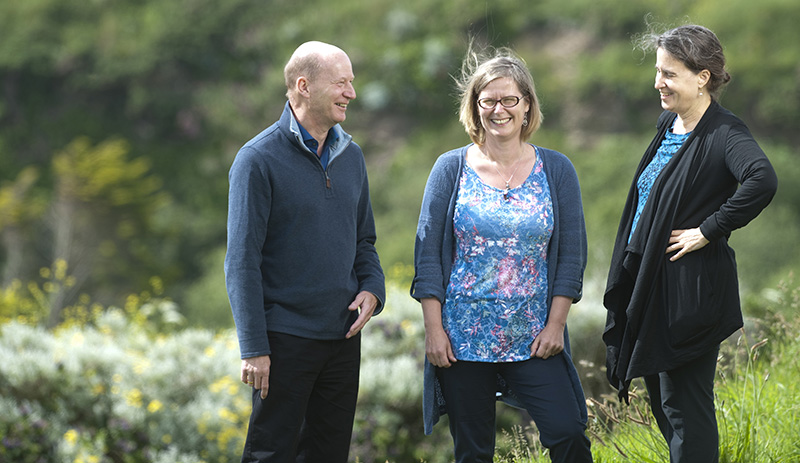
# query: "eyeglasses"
(506, 101)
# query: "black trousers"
(683, 405)
(542, 386)
(308, 414)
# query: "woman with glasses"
(499, 259)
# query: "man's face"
(331, 91)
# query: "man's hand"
(685, 241)
(367, 302)
(255, 373)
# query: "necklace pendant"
(505, 194)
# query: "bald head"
(319, 85)
(308, 61)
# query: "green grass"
(757, 398)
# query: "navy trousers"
(683, 405)
(308, 414)
(542, 386)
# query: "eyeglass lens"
(506, 101)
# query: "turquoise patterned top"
(669, 146)
(496, 302)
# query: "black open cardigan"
(662, 314)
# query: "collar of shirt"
(312, 144)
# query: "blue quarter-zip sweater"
(301, 239)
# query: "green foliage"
(206, 301)
(114, 391)
(757, 46)
(757, 396)
(181, 85)
(101, 213)
(103, 175)
(19, 204)
(130, 385)
(30, 303)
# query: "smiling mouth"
(501, 121)
(341, 105)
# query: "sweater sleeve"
(571, 228)
(758, 183)
(428, 248)
(248, 212)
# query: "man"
(302, 273)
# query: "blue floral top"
(669, 146)
(496, 302)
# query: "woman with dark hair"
(499, 259)
(672, 294)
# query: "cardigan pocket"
(692, 303)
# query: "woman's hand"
(685, 241)
(437, 344)
(549, 342)
(438, 348)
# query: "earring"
(701, 91)
(525, 120)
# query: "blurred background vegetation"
(119, 120)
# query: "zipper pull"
(327, 180)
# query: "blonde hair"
(477, 71)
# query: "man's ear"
(301, 85)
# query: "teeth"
(501, 121)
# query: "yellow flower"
(98, 389)
(225, 382)
(61, 269)
(210, 352)
(141, 366)
(226, 436)
(134, 398)
(154, 406)
(226, 414)
(157, 284)
(71, 436)
(166, 438)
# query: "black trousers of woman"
(683, 405)
(542, 386)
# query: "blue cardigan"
(435, 245)
(301, 239)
